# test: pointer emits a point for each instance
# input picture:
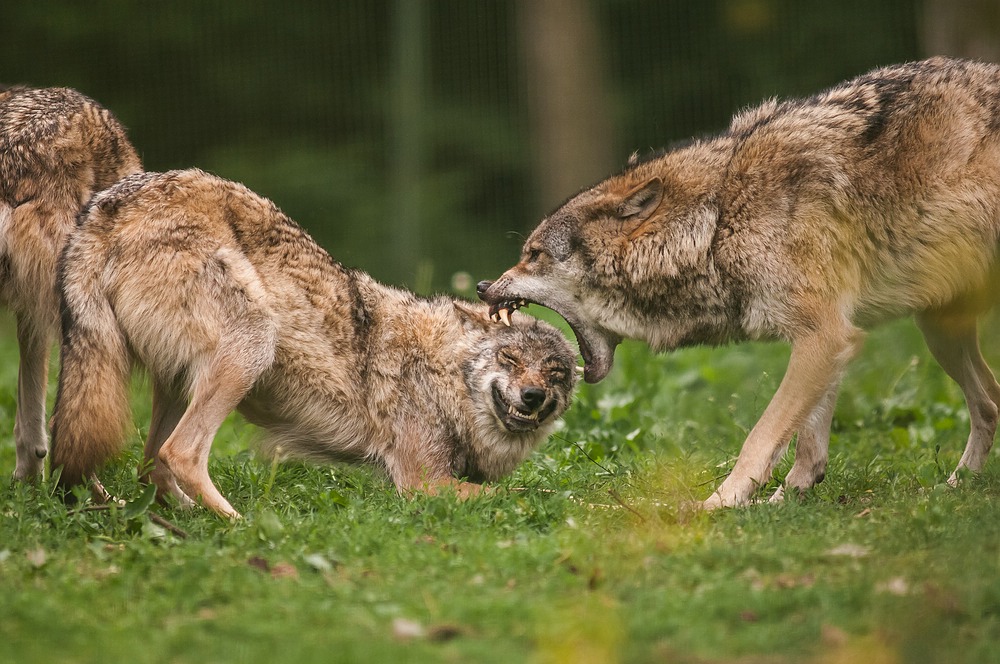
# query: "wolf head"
(520, 376)
(620, 259)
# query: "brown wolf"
(229, 304)
(809, 221)
(57, 148)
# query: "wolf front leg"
(811, 448)
(816, 364)
(463, 490)
(420, 459)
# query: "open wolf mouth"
(514, 418)
(596, 347)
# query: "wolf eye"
(557, 374)
(534, 254)
(507, 358)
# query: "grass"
(586, 554)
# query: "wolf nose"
(533, 397)
(482, 287)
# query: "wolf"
(809, 221)
(57, 148)
(229, 304)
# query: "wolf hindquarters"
(92, 407)
(190, 315)
(57, 148)
(954, 342)
(221, 369)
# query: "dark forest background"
(421, 139)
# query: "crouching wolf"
(809, 221)
(57, 148)
(231, 305)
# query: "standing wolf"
(808, 220)
(57, 148)
(229, 304)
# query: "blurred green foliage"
(299, 100)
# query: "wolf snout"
(481, 289)
(533, 397)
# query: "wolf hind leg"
(31, 440)
(34, 233)
(168, 408)
(953, 341)
(219, 385)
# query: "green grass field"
(586, 554)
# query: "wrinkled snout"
(533, 397)
(535, 404)
(501, 306)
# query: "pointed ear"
(471, 315)
(640, 203)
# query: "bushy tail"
(92, 405)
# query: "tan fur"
(809, 221)
(57, 148)
(229, 304)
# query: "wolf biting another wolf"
(809, 221)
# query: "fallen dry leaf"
(897, 585)
(284, 570)
(405, 629)
(832, 635)
(37, 557)
(848, 550)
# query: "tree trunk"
(564, 66)
(407, 157)
(963, 28)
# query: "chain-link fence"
(419, 138)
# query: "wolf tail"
(92, 406)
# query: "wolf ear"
(469, 315)
(640, 203)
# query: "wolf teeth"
(524, 416)
(503, 312)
